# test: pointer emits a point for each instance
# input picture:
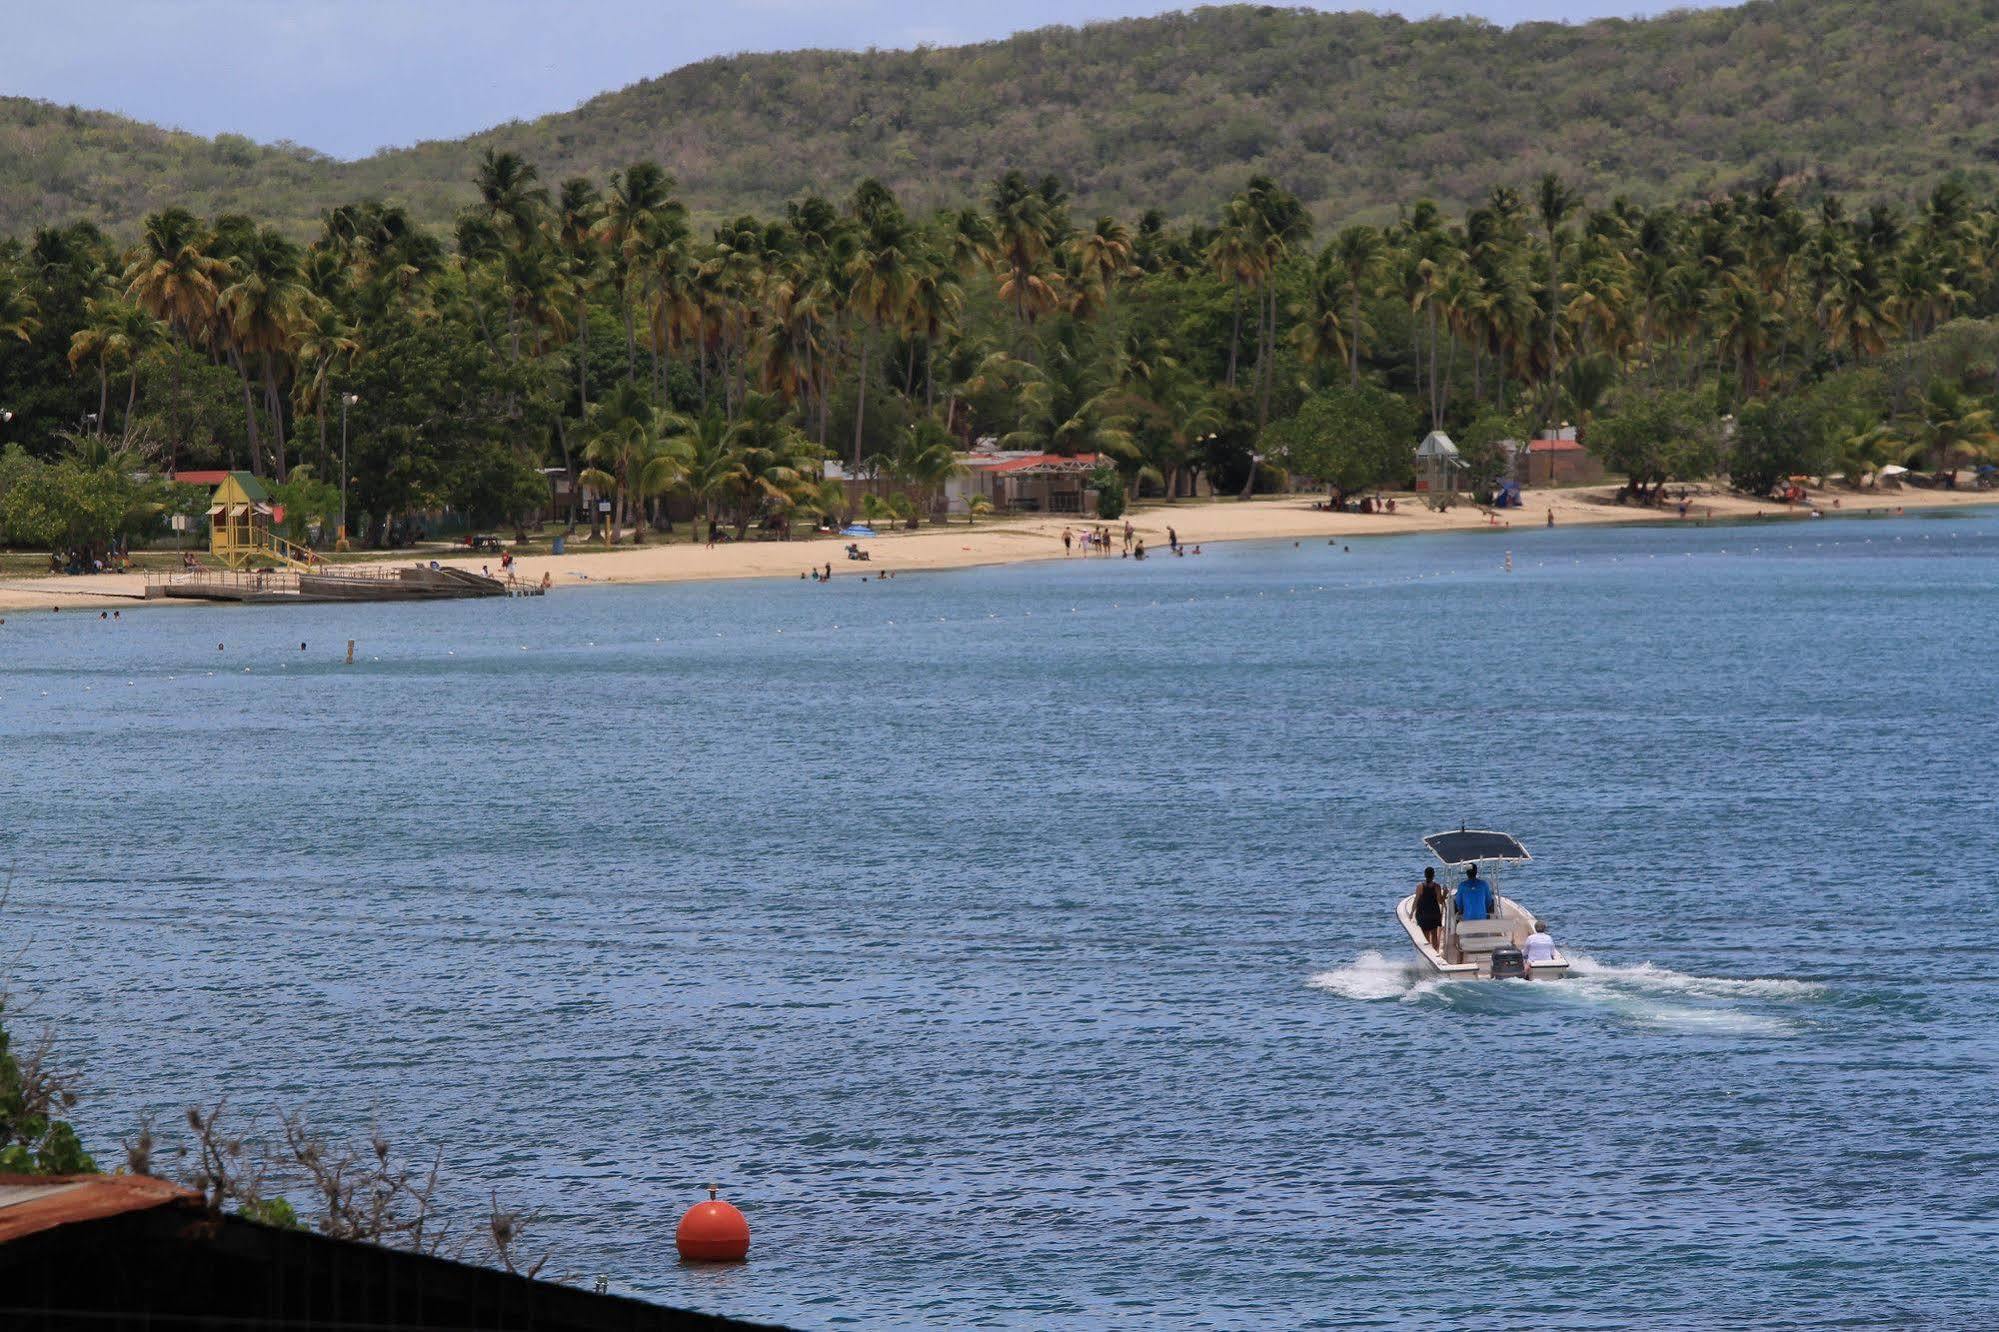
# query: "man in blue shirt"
(1474, 896)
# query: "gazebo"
(1438, 464)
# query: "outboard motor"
(1508, 962)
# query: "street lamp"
(346, 400)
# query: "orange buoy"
(713, 1232)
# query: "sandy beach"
(1014, 540)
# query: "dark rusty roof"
(30, 1204)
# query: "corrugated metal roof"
(30, 1204)
(1047, 462)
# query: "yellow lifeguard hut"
(240, 531)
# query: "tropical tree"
(118, 334)
(1028, 223)
(627, 433)
(882, 273)
(261, 309)
(639, 213)
(1553, 202)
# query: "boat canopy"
(1467, 845)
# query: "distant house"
(1021, 481)
(1439, 466)
(1557, 459)
(128, 1251)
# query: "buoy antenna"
(714, 1192)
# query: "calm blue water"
(1015, 945)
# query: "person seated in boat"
(1430, 909)
(1540, 945)
(1474, 896)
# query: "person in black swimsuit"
(1430, 909)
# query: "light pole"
(346, 400)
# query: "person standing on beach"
(1068, 542)
(1127, 536)
(1172, 539)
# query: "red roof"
(30, 1204)
(1034, 460)
(1554, 446)
(200, 478)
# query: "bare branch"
(505, 1226)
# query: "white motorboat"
(1480, 949)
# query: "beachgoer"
(1068, 542)
(1172, 539)
(1474, 896)
(1138, 550)
(1540, 945)
(1430, 909)
(1127, 534)
(1551, 517)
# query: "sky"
(347, 77)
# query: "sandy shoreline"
(1010, 541)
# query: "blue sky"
(349, 76)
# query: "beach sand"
(1007, 541)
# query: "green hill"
(1351, 111)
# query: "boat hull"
(1478, 966)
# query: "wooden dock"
(413, 582)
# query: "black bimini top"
(1469, 844)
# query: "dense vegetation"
(1356, 113)
(593, 328)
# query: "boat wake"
(1644, 995)
(1375, 976)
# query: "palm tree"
(1281, 225)
(326, 345)
(509, 196)
(261, 307)
(626, 434)
(1951, 427)
(1355, 269)
(1102, 255)
(173, 277)
(579, 209)
(1234, 256)
(881, 273)
(1027, 225)
(116, 332)
(1553, 202)
(19, 310)
(777, 468)
(923, 460)
(638, 212)
(934, 301)
(1743, 322)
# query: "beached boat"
(1480, 949)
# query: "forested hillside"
(1354, 112)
